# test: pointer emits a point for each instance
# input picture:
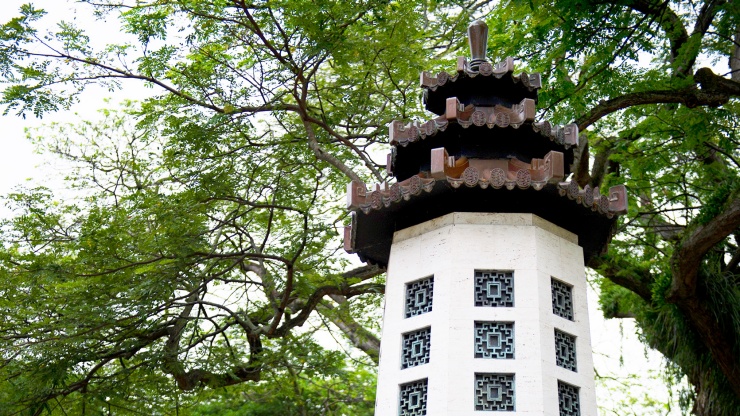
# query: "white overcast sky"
(18, 164)
(18, 161)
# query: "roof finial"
(478, 39)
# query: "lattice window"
(494, 340)
(413, 400)
(568, 398)
(494, 288)
(419, 296)
(416, 348)
(565, 350)
(494, 392)
(562, 299)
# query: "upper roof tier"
(483, 111)
(479, 82)
(487, 86)
(483, 152)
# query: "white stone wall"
(452, 248)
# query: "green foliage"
(679, 160)
(634, 394)
(182, 268)
(310, 382)
(199, 233)
(716, 200)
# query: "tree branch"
(690, 97)
(581, 162)
(685, 264)
(190, 380)
(703, 22)
(346, 289)
(360, 337)
(688, 256)
(667, 19)
(735, 57)
(625, 274)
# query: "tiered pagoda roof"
(483, 152)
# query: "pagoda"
(485, 245)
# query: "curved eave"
(378, 214)
(412, 142)
(490, 84)
(405, 133)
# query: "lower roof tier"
(378, 214)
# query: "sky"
(617, 351)
(19, 163)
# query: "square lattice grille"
(494, 288)
(494, 340)
(419, 297)
(413, 401)
(494, 392)
(568, 398)
(562, 299)
(415, 349)
(565, 350)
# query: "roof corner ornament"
(478, 40)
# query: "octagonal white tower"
(485, 245)
(485, 313)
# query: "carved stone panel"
(413, 400)
(562, 299)
(494, 288)
(419, 296)
(494, 340)
(415, 348)
(565, 350)
(568, 399)
(495, 392)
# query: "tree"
(653, 115)
(198, 239)
(322, 385)
(204, 231)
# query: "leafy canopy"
(201, 240)
(636, 77)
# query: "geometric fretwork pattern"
(413, 399)
(494, 392)
(494, 288)
(494, 340)
(419, 296)
(415, 348)
(568, 398)
(565, 350)
(562, 299)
